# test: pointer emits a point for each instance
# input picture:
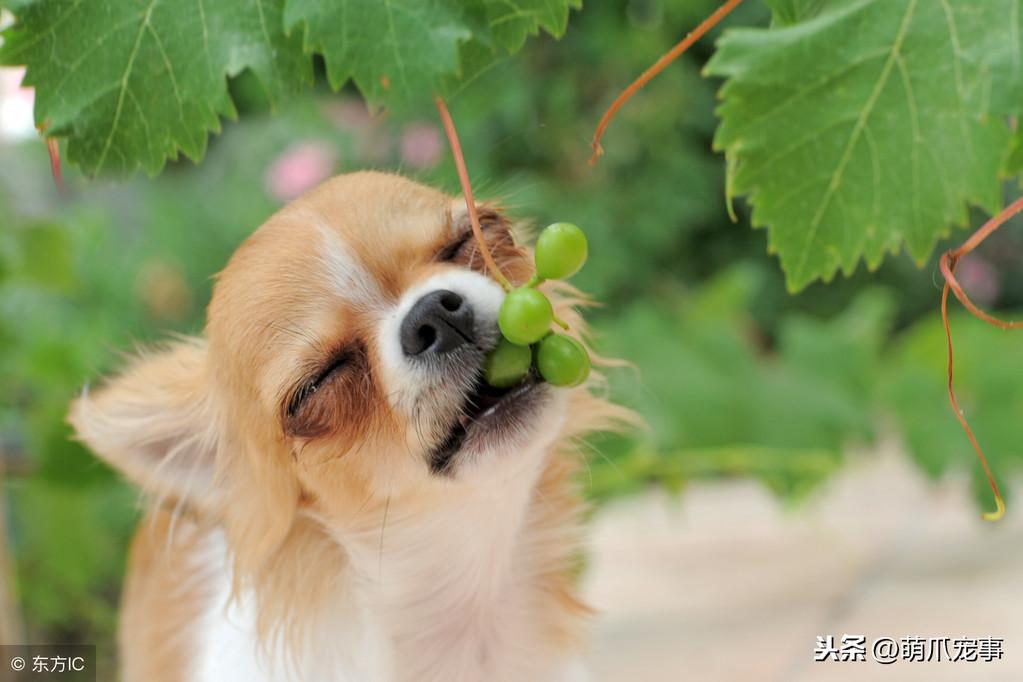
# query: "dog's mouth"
(488, 414)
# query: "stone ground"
(726, 584)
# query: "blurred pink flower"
(421, 146)
(16, 102)
(979, 280)
(299, 168)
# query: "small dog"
(338, 496)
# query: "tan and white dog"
(338, 497)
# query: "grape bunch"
(526, 316)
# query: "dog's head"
(341, 367)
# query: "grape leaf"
(786, 12)
(513, 22)
(14, 5)
(865, 126)
(1014, 163)
(404, 50)
(395, 47)
(131, 84)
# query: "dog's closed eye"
(463, 249)
(451, 251)
(311, 385)
(335, 386)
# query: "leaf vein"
(812, 87)
(914, 124)
(124, 86)
(170, 73)
(957, 53)
(861, 123)
(394, 43)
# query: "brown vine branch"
(53, 147)
(644, 78)
(470, 203)
(948, 264)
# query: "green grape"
(507, 364)
(563, 361)
(560, 251)
(525, 316)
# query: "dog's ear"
(157, 423)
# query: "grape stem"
(948, 264)
(53, 147)
(470, 203)
(644, 78)
(535, 281)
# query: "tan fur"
(203, 425)
(164, 591)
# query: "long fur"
(306, 528)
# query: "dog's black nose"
(439, 322)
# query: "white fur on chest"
(346, 646)
(349, 647)
(448, 598)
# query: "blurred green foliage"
(733, 375)
(989, 387)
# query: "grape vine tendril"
(948, 264)
(658, 66)
(470, 203)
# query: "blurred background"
(801, 474)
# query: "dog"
(334, 493)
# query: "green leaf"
(786, 12)
(502, 26)
(404, 50)
(132, 84)
(1014, 162)
(15, 5)
(395, 48)
(866, 126)
(513, 22)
